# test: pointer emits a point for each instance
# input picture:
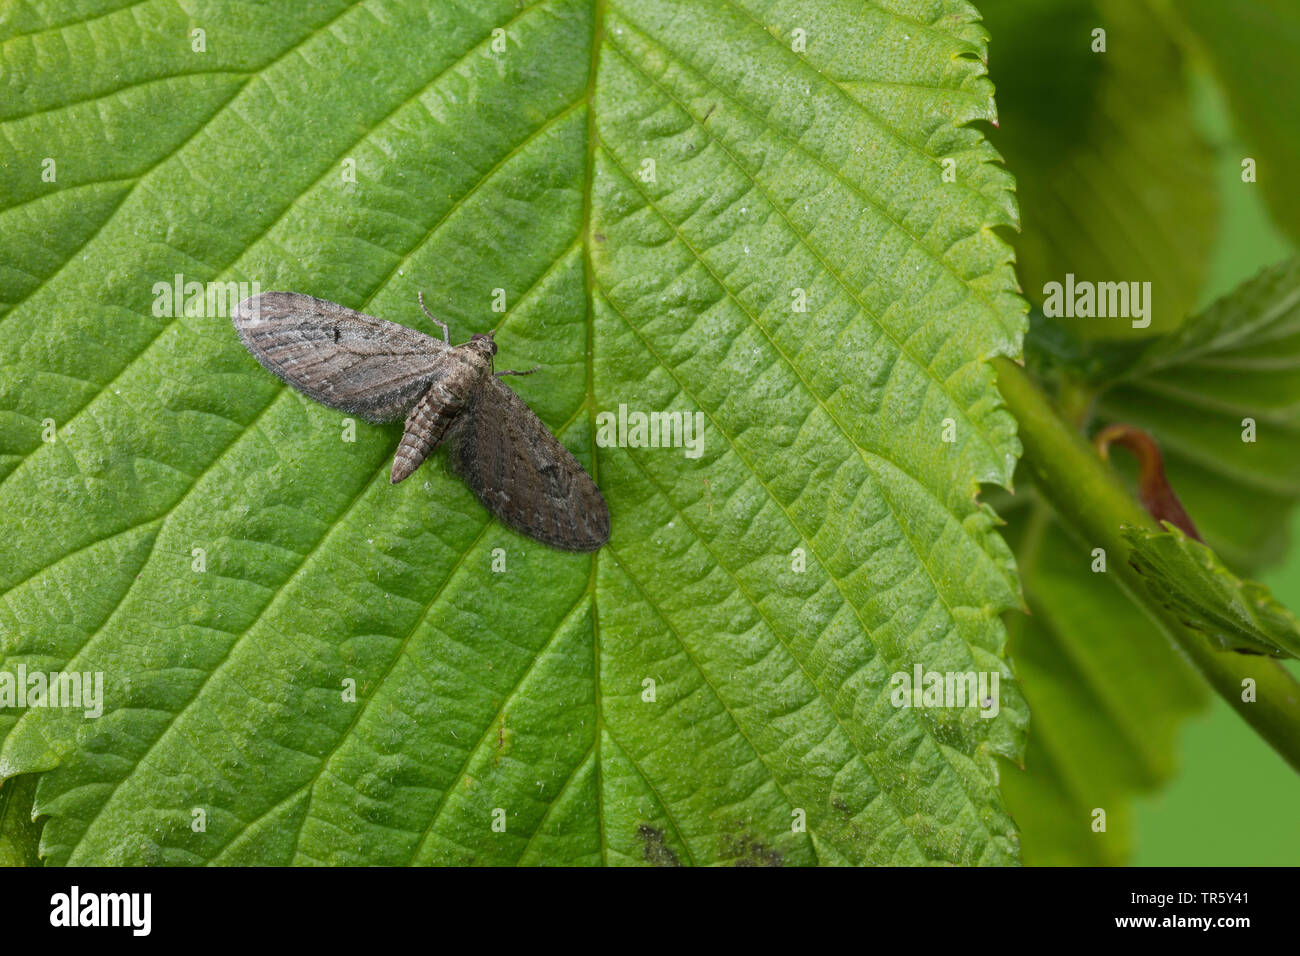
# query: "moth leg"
(446, 333)
(508, 371)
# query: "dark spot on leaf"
(657, 853)
(746, 851)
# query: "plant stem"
(1094, 506)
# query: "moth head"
(483, 343)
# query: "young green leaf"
(1221, 396)
(1189, 579)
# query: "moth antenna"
(508, 371)
(446, 332)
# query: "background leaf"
(1252, 48)
(1092, 137)
(1114, 180)
(521, 691)
(1108, 694)
(1193, 391)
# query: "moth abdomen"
(426, 427)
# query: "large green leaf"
(1115, 183)
(1098, 738)
(526, 691)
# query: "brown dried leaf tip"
(1154, 490)
(450, 395)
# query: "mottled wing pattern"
(522, 473)
(341, 358)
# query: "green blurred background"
(1129, 163)
(1233, 801)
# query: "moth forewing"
(341, 358)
